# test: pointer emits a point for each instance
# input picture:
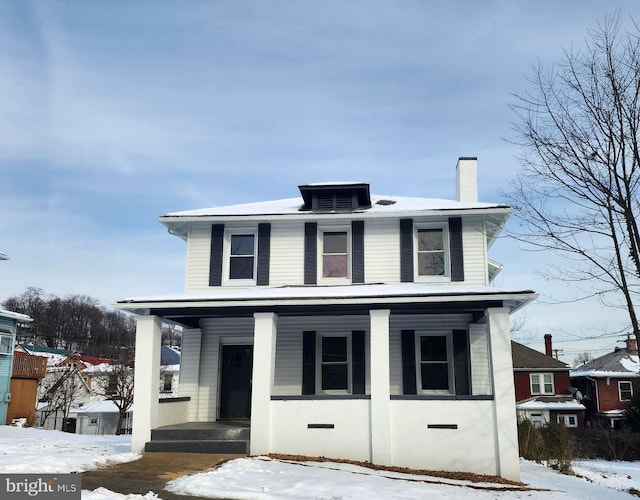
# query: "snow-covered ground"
(41, 451)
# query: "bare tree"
(582, 358)
(577, 193)
(60, 390)
(116, 384)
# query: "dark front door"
(235, 386)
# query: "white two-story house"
(345, 325)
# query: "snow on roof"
(536, 404)
(618, 364)
(374, 291)
(107, 406)
(14, 315)
(292, 206)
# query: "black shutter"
(357, 248)
(308, 362)
(455, 246)
(264, 249)
(461, 361)
(310, 253)
(408, 362)
(357, 354)
(406, 250)
(215, 255)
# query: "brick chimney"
(548, 348)
(632, 345)
(467, 179)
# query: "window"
(625, 390)
(240, 257)
(6, 344)
(538, 420)
(542, 383)
(568, 420)
(334, 353)
(431, 252)
(434, 363)
(335, 262)
(93, 421)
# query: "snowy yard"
(40, 451)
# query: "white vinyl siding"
(479, 353)
(287, 254)
(475, 251)
(437, 323)
(382, 251)
(190, 369)
(288, 374)
(198, 256)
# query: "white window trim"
(620, 390)
(349, 389)
(542, 391)
(564, 419)
(450, 362)
(447, 257)
(11, 346)
(333, 229)
(226, 256)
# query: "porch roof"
(347, 299)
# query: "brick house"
(608, 384)
(543, 387)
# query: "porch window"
(435, 363)
(6, 344)
(625, 390)
(335, 254)
(541, 383)
(333, 363)
(334, 354)
(568, 420)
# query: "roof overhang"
(352, 299)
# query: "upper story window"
(6, 344)
(431, 243)
(240, 257)
(435, 363)
(541, 383)
(625, 390)
(334, 259)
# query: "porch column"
(264, 361)
(504, 407)
(380, 388)
(190, 369)
(146, 390)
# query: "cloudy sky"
(114, 113)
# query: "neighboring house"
(26, 375)
(8, 326)
(98, 418)
(608, 384)
(345, 325)
(169, 371)
(543, 388)
(53, 355)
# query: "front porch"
(389, 385)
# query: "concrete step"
(214, 434)
(236, 446)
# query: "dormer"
(335, 197)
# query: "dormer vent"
(335, 197)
